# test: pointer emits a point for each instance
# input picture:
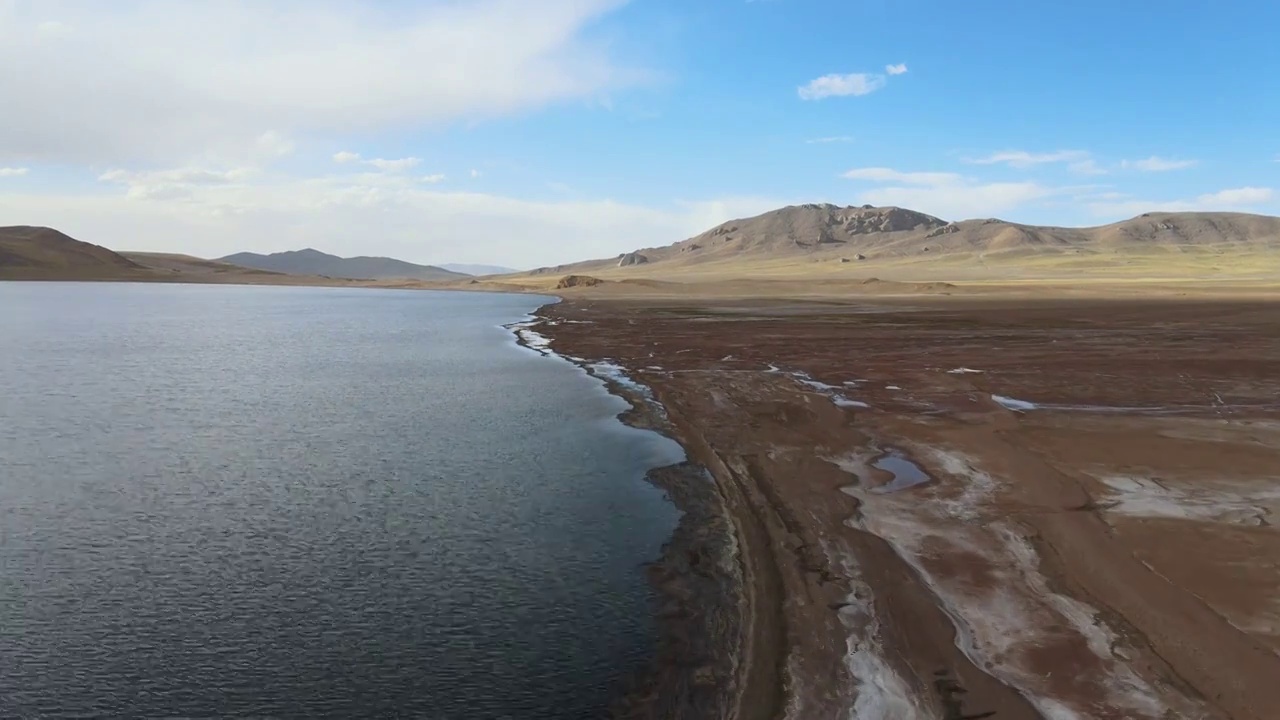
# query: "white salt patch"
(805, 378)
(535, 340)
(1146, 497)
(964, 371)
(828, 390)
(773, 369)
(892, 387)
(845, 402)
(617, 374)
(726, 358)
(978, 485)
(1054, 710)
(1013, 404)
(881, 691)
(530, 338)
(998, 623)
(1125, 685)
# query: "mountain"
(789, 236)
(314, 262)
(39, 252)
(468, 269)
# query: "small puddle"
(906, 474)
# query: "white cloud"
(1238, 196)
(433, 179)
(1099, 196)
(1087, 167)
(1230, 199)
(346, 157)
(12, 171)
(899, 69)
(1024, 159)
(841, 85)
(214, 213)
(399, 165)
(476, 173)
(1157, 164)
(213, 77)
(174, 184)
(831, 139)
(960, 201)
(274, 144)
(883, 174)
(947, 195)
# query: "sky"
(528, 133)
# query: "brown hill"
(40, 252)
(793, 235)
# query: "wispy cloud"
(175, 183)
(899, 69)
(831, 139)
(398, 165)
(1157, 164)
(836, 85)
(946, 194)
(433, 179)
(346, 157)
(475, 173)
(1238, 196)
(1229, 199)
(886, 175)
(12, 171)
(1025, 159)
(1087, 167)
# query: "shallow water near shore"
(307, 502)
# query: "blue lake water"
(311, 502)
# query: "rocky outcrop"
(947, 229)
(573, 281)
(865, 220)
(632, 258)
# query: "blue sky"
(528, 133)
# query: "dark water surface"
(302, 502)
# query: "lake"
(312, 502)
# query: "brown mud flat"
(958, 508)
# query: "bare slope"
(314, 262)
(791, 239)
(39, 252)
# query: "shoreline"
(697, 580)
(908, 545)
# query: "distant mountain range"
(798, 236)
(314, 262)
(814, 240)
(468, 269)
